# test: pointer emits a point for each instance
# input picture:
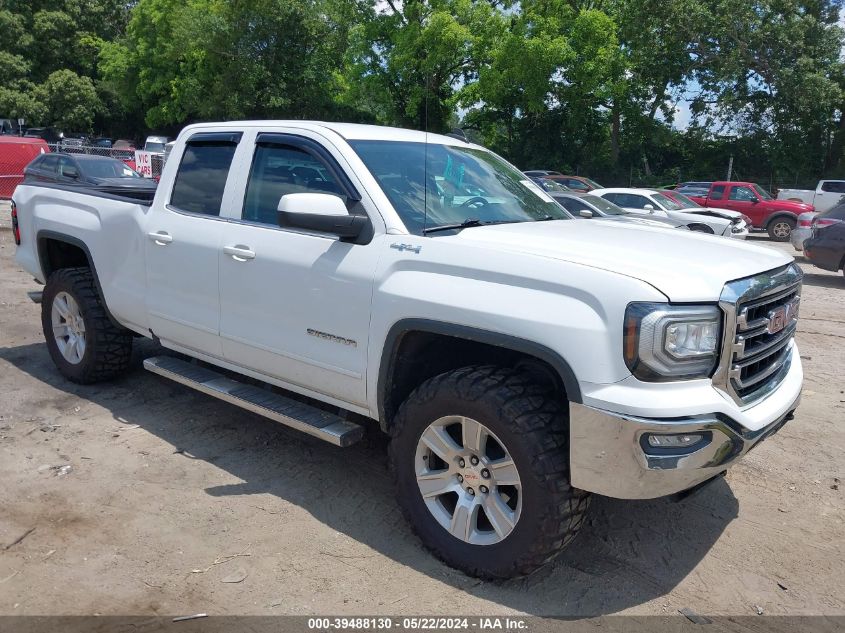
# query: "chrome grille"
(760, 322)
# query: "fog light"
(674, 441)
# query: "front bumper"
(799, 236)
(737, 235)
(610, 457)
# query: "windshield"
(150, 146)
(551, 186)
(107, 168)
(765, 195)
(605, 206)
(683, 201)
(592, 183)
(456, 185)
(666, 202)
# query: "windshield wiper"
(469, 222)
(451, 227)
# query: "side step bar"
(292, 413)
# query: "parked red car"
(778, 217)
(16, 152)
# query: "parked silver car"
(803, 230)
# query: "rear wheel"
(84, 344)
(780, 229)
(480, 457)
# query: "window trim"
(202, 138)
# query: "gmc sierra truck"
(334, 276)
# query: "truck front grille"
(760, 321)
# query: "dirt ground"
(145, 497)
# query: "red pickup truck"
(778, 217)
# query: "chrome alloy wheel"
(68, 327)
(468, 480)
(781, 229)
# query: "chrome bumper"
(609, 457)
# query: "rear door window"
(48, 164)
(834, 186)
(742, 194)
(202, 174)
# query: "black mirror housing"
(346, 227)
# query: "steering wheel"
(475, 200)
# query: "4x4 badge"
(406, 247)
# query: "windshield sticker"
(534, 187)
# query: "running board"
(298, 415)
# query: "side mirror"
(320, 213)
(649, 208)
(70, 172)
(585, 213)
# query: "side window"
(742, 194)
(717, 192)
(278, 170)
(834, 186)
(633, 201)
(612, 197)
(202, 175)
(577, 185)
(570, 205)
(48, 163)
(64, 163)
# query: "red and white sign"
(144, 163)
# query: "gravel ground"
(144, 497)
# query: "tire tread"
(542, 423)
(110, 344)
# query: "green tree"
(407, 61)
(214, 59)
(71, 101)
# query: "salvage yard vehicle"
(587, 206)
(826, 195)
(101, 173)
(654, 203)
(826, 245)
(688, 205)
(803, 230)
(324, 276)
(777, 217)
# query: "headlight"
(665, 342)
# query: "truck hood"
(683, 265)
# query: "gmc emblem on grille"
(782, 316)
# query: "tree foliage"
(584, 85)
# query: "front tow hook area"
(686, 494)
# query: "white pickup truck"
(324, 276)
(826, 195)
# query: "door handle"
(162, 238)
(239, 253)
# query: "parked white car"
(826, 195)
(518, 359)
(654, 202)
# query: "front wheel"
(481, 461)
(780, 229)
(84, 344)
